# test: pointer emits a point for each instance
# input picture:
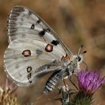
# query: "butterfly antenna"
(84, 52)
(80, 49)
(65, 83)
(73, 83)
(85, 63)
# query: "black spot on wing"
(42, 33)
(32, 26)
(55, 42)
(38, 51)
(38, 21)
(29, 12)
(29, 75)
(29, 69)
(30, 82)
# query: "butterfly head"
(79, 58)
(80, 55)
(75, 61)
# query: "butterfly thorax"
(73, 64)
(69, 67)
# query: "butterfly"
(35, 50)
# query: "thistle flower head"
(89, 81)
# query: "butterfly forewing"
(33, 47)
(24, 23)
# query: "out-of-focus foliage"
(76, 22)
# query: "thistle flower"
(6, 95)
(89, 81)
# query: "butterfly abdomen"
(53, 81)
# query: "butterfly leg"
(73, 83)
(66, 86)
(64, 82)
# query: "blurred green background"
(76, 22)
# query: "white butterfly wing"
(24, 23)
(16, 64)
(32, 44)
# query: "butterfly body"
(35, 50)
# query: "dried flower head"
(89, 81)
(6, 95)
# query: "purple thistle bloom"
(89, 81)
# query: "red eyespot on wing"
(49, 48)
(26, 53)
(65, 58)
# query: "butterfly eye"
(79, 58)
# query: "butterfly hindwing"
(22, 54)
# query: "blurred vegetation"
(76, 22)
